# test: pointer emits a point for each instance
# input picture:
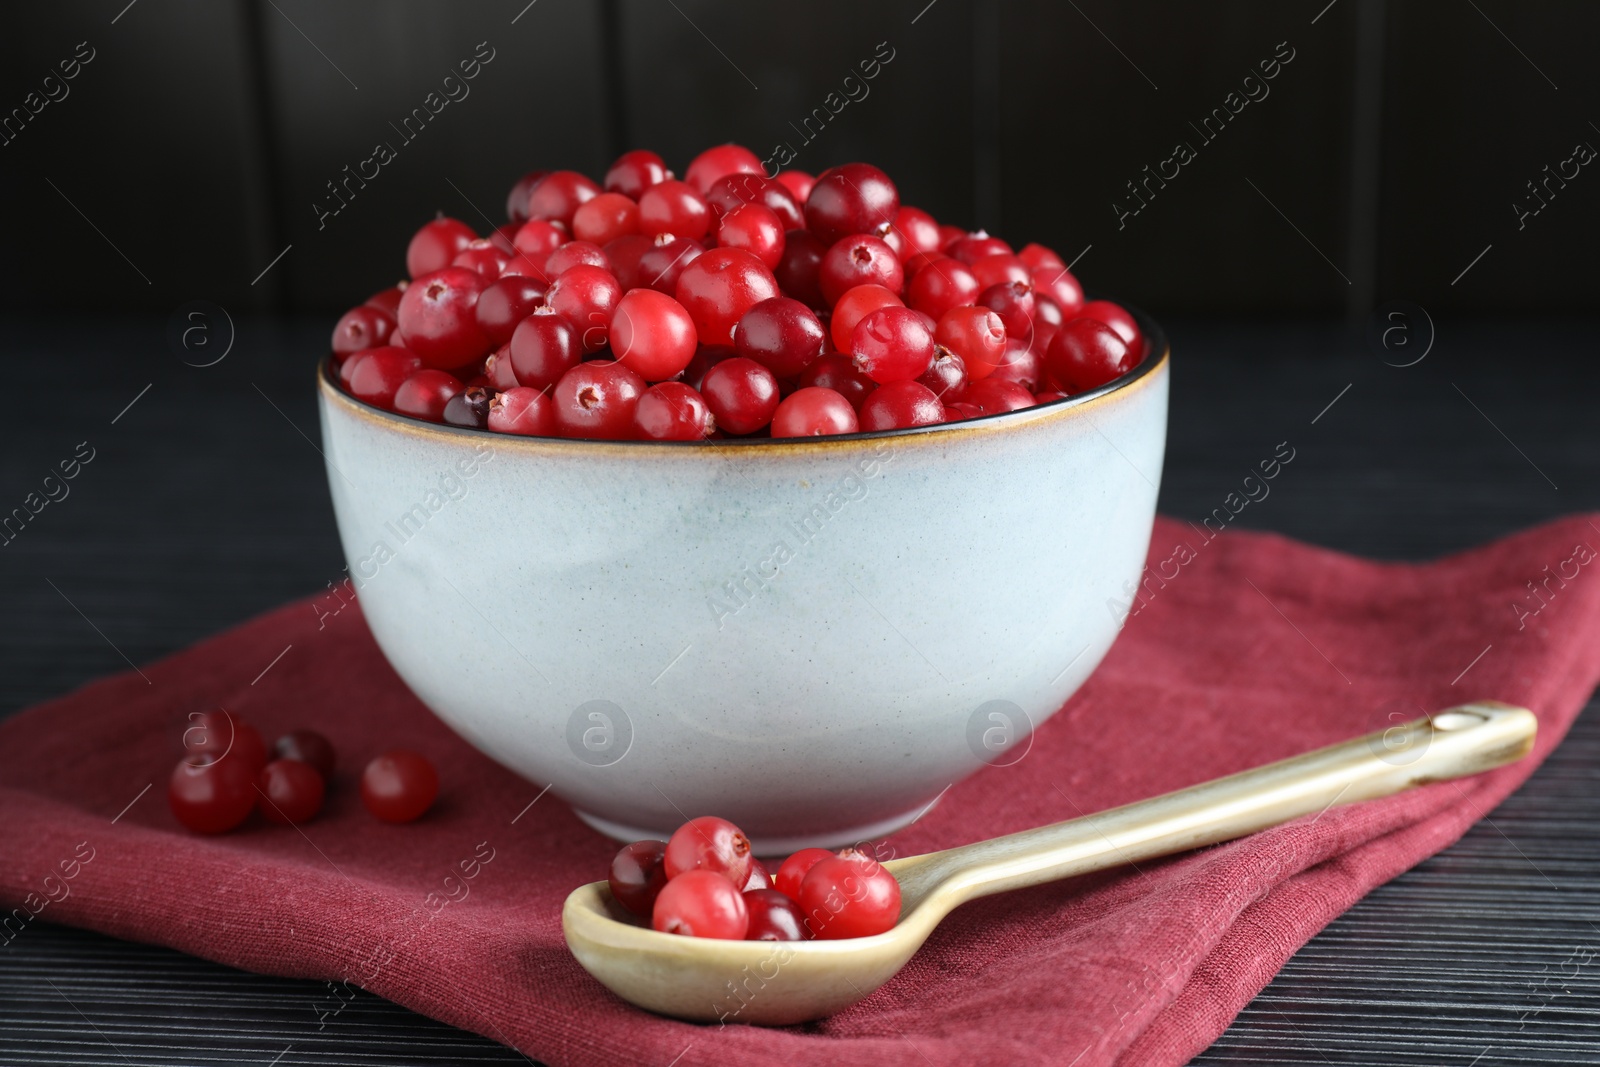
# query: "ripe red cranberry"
(942, 285)
(436, 244)
(946, 376)
(672, 411)
(892, 344)
(673, 207)
(995, 395)
(859, 259)
(482, 256)
(660, 267)
(799, 271)
(849, 895)
(387, 300)
(498, 372)
(361, 328)
(544, 346)
(307, 746)
(705, 357)
(1121, 323)
(636, 171)
(517, 198)
(379, 373)
(971, 247)
(716, 163)
(523, 411)
(1037, 256)
(1022, 363)
(596, 400)
(917, 260)
(624, 254)
(709, 844)
(773, 917)
(754, 228)
(1048, 397)
(855, 305)
(1000, 269)
(960, 410)
(975, 334)
(587, 296)
(289, 792)
(949, 235)
(1086, 354)
(1013, 302)
(851, 198)
(536, 240)
(652, 334)
(504, 237)
(701, 904)
(897, 405)
(781, 334)
(837, 374)
(741, 393)
(506, 302)
(733, 190)
(575, 254)
(797, 182)
(438, 315)
(794, 869)
(1060, 288)
(637, 875)
(211, 796)
(813, 412)
(719, 287)
(605, 218)
(425, 394)
(221, 735)
(399, 786)
(559, 194)
(469, 408)
(917, 230)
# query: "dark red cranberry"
(498, 373)
(517, 198)
(672, 411)
(946, 375)
(957, 410)
(504, 237)
(942, 285)
(975, 334)
(798, 182)
(917, 260)
(436, 244)
(576, 254)
(814, 411)
(308, 746)
(799, 271)
(522, 411)
(773, 917)
(855, 305)
(838, 374)
(559, 194)
(781, 334)
(1048, 397)
(995, 395)
(425, 394)
(917, 230)
(652, 334)
(438, 315)
(1121, 323)
(636, 171)
(892, 344)
(733, 190)
(1013, 302)
(361, 328)
(706, 357)
(859, 259)
(714, 164)
(289, 792)
(379, 373)
(1000, 270)
(506, 302)
(211, 796)
(754, 228)
(399, 786)
(741, 393)
(223, 735)
(387, 300)
(1086, 354)
(1022, 363)
(470, 408)
(482, 256)
(719, 287)
(851, 198)
(596, 400)
(949, 235)
(673, 207)
(900, 404)
(587, 296)
(971, 247)
(1037, 256)
(637, 873)
(660, 267)
(605, 218)
(624, 253)
(544, 346)
(535, 241)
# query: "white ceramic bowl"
(813, 638)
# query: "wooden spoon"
(781, 982)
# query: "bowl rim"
(1068, 407)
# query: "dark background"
(1395, 142)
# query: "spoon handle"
(1449, 744)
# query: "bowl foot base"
(773, 846)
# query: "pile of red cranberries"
(727, 304)
(227, 772)
(704, 882)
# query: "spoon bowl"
(782, 982)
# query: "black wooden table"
(206, 503)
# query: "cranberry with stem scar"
(741, 393)
(361, 328)
(637, 875)
(999, 270)
(596, 400)
(438, 315)
(469, 408)
(673, 207)
(543, 347)
(946, 376)
(660, 266)
(892, 344)
(523, 411)
(859, 259)
(851, 198)
(710, 844)
(1014, 303)
(814, 411)
(975, 334)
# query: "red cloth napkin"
(1258, 649)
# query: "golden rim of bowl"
(1037, 415)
